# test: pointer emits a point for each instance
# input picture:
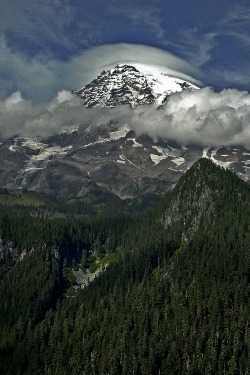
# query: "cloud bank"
(201, 117)
(24, 118)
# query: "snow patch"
(51, 152)
(168, 152)
(33, 143)
(12, 148)
(135, 143)
(161, 83)
(69, 130)
(118, 134)
(156, 159)
(122, 157)
(113, 136)
(172, 169)
(178, 161)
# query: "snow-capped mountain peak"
(131, 84)
(89, 160)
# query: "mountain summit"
(131, 85)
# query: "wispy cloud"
(236, 23)
(50, 28)
(232, 76)
(36, 23)
(204, 47)
(195, 46)
(238, 16)
(147, 17)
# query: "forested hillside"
(172, 295)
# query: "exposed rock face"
(126, 84)
(84, 278)
(111, 159)
(189, 208)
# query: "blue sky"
(49, 45)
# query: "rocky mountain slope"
(131, 85)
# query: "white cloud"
(22, 117)
(201, 117)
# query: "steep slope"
(110, 159)
(131, 84)
(173, 301)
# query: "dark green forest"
(171, 293)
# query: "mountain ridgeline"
(105, 154)
(170, 293)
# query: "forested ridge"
(173, 297)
